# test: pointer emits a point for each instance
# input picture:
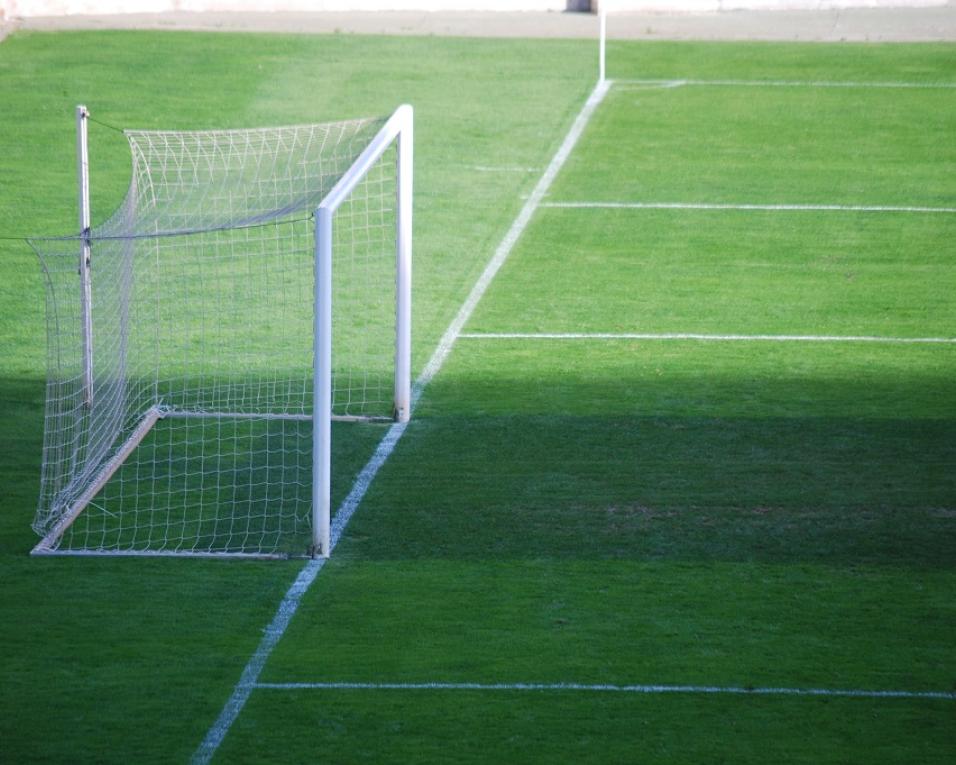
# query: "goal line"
(729, 690)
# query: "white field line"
(609, 688)
(677, 82)
(290, 602)
(511, 237)
(745, 207)
(702, 337)
(247, 681)
(502, 169)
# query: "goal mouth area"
(207, 484)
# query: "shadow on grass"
(21, 441)
(772, 489)
(843, 490)
(191, 484)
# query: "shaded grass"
(100, 651)
(435, 727)
(623, 622)
(842, 492)
(219, 485)
(799, 381)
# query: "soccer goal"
(253, 287)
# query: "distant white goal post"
(254, 286)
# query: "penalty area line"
(248, 681)
(613, 688)
(623, 84)
(703, 337)
(747, 207)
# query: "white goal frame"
(399, 127)
(397, 131)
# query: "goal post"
(86, 297)
(397, 129)
(254, 286)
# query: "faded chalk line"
(703, 337)
(747, 207)
(857, 693)
(502, 169)
(290, 603)
(623, 84)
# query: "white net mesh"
(198, 437)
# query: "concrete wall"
(711, 6)
(25, 8)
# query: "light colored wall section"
(29, 8)
(714, 6)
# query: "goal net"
(253, 286)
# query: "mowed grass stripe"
(706, 338)
(676, 83)
(773, 146)
(689, 378)
(749, 207)
(440, 727)
(619, 622)
(679, 451)
(921, 63)
(714, 272)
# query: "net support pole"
(322, 387)
(403, 273)
(86, 290)
(602, 43)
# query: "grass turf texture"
(773, 145)
(622, 513)
(470, 727)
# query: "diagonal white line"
(290, 603)
(613, 688)
(677, 82)
(746, 207)
(701, 337)
(247, 681)
(511, 237)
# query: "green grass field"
(613, 511)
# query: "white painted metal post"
(403, 276)
(322, 387)
(602, 15)
(86, 290)
(399, 126)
